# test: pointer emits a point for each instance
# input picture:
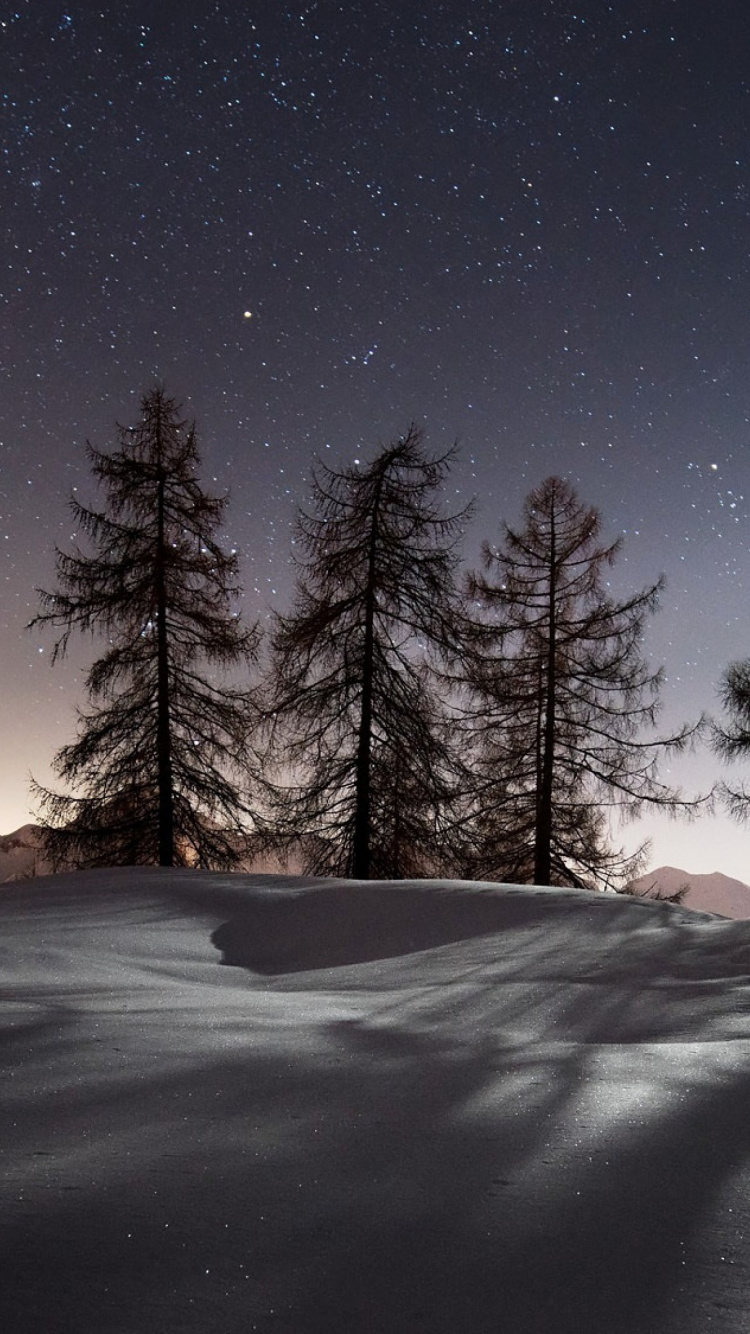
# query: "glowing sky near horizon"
(525, 227)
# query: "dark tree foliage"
(358, 725)
(160, 749)
(561, 698)
(732, 740)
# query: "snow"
(237, 1103)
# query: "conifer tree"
(731, 740)
(563, 701)
(358, 725)
(155, 773)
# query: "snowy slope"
(239, 1103)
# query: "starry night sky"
(525, 226)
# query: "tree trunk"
(543, 834)
(361, 851)
(163, 729)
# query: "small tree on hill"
(161, 747)
(561, 698)
(358, 726)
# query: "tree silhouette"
(561, 698)
(160, 748)
(732, 740)
(357, 722)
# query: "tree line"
(401, 720)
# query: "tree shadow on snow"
(452, 1159)
(363, 1192)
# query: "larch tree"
(563, 702)
(158, 771)
(360, 736)
(731, 739)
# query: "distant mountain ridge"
(19, 854)
(714, 892)
(21, 858)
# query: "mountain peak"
(711, 892)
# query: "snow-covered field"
(237, 1103)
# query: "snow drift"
(241, 1103)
